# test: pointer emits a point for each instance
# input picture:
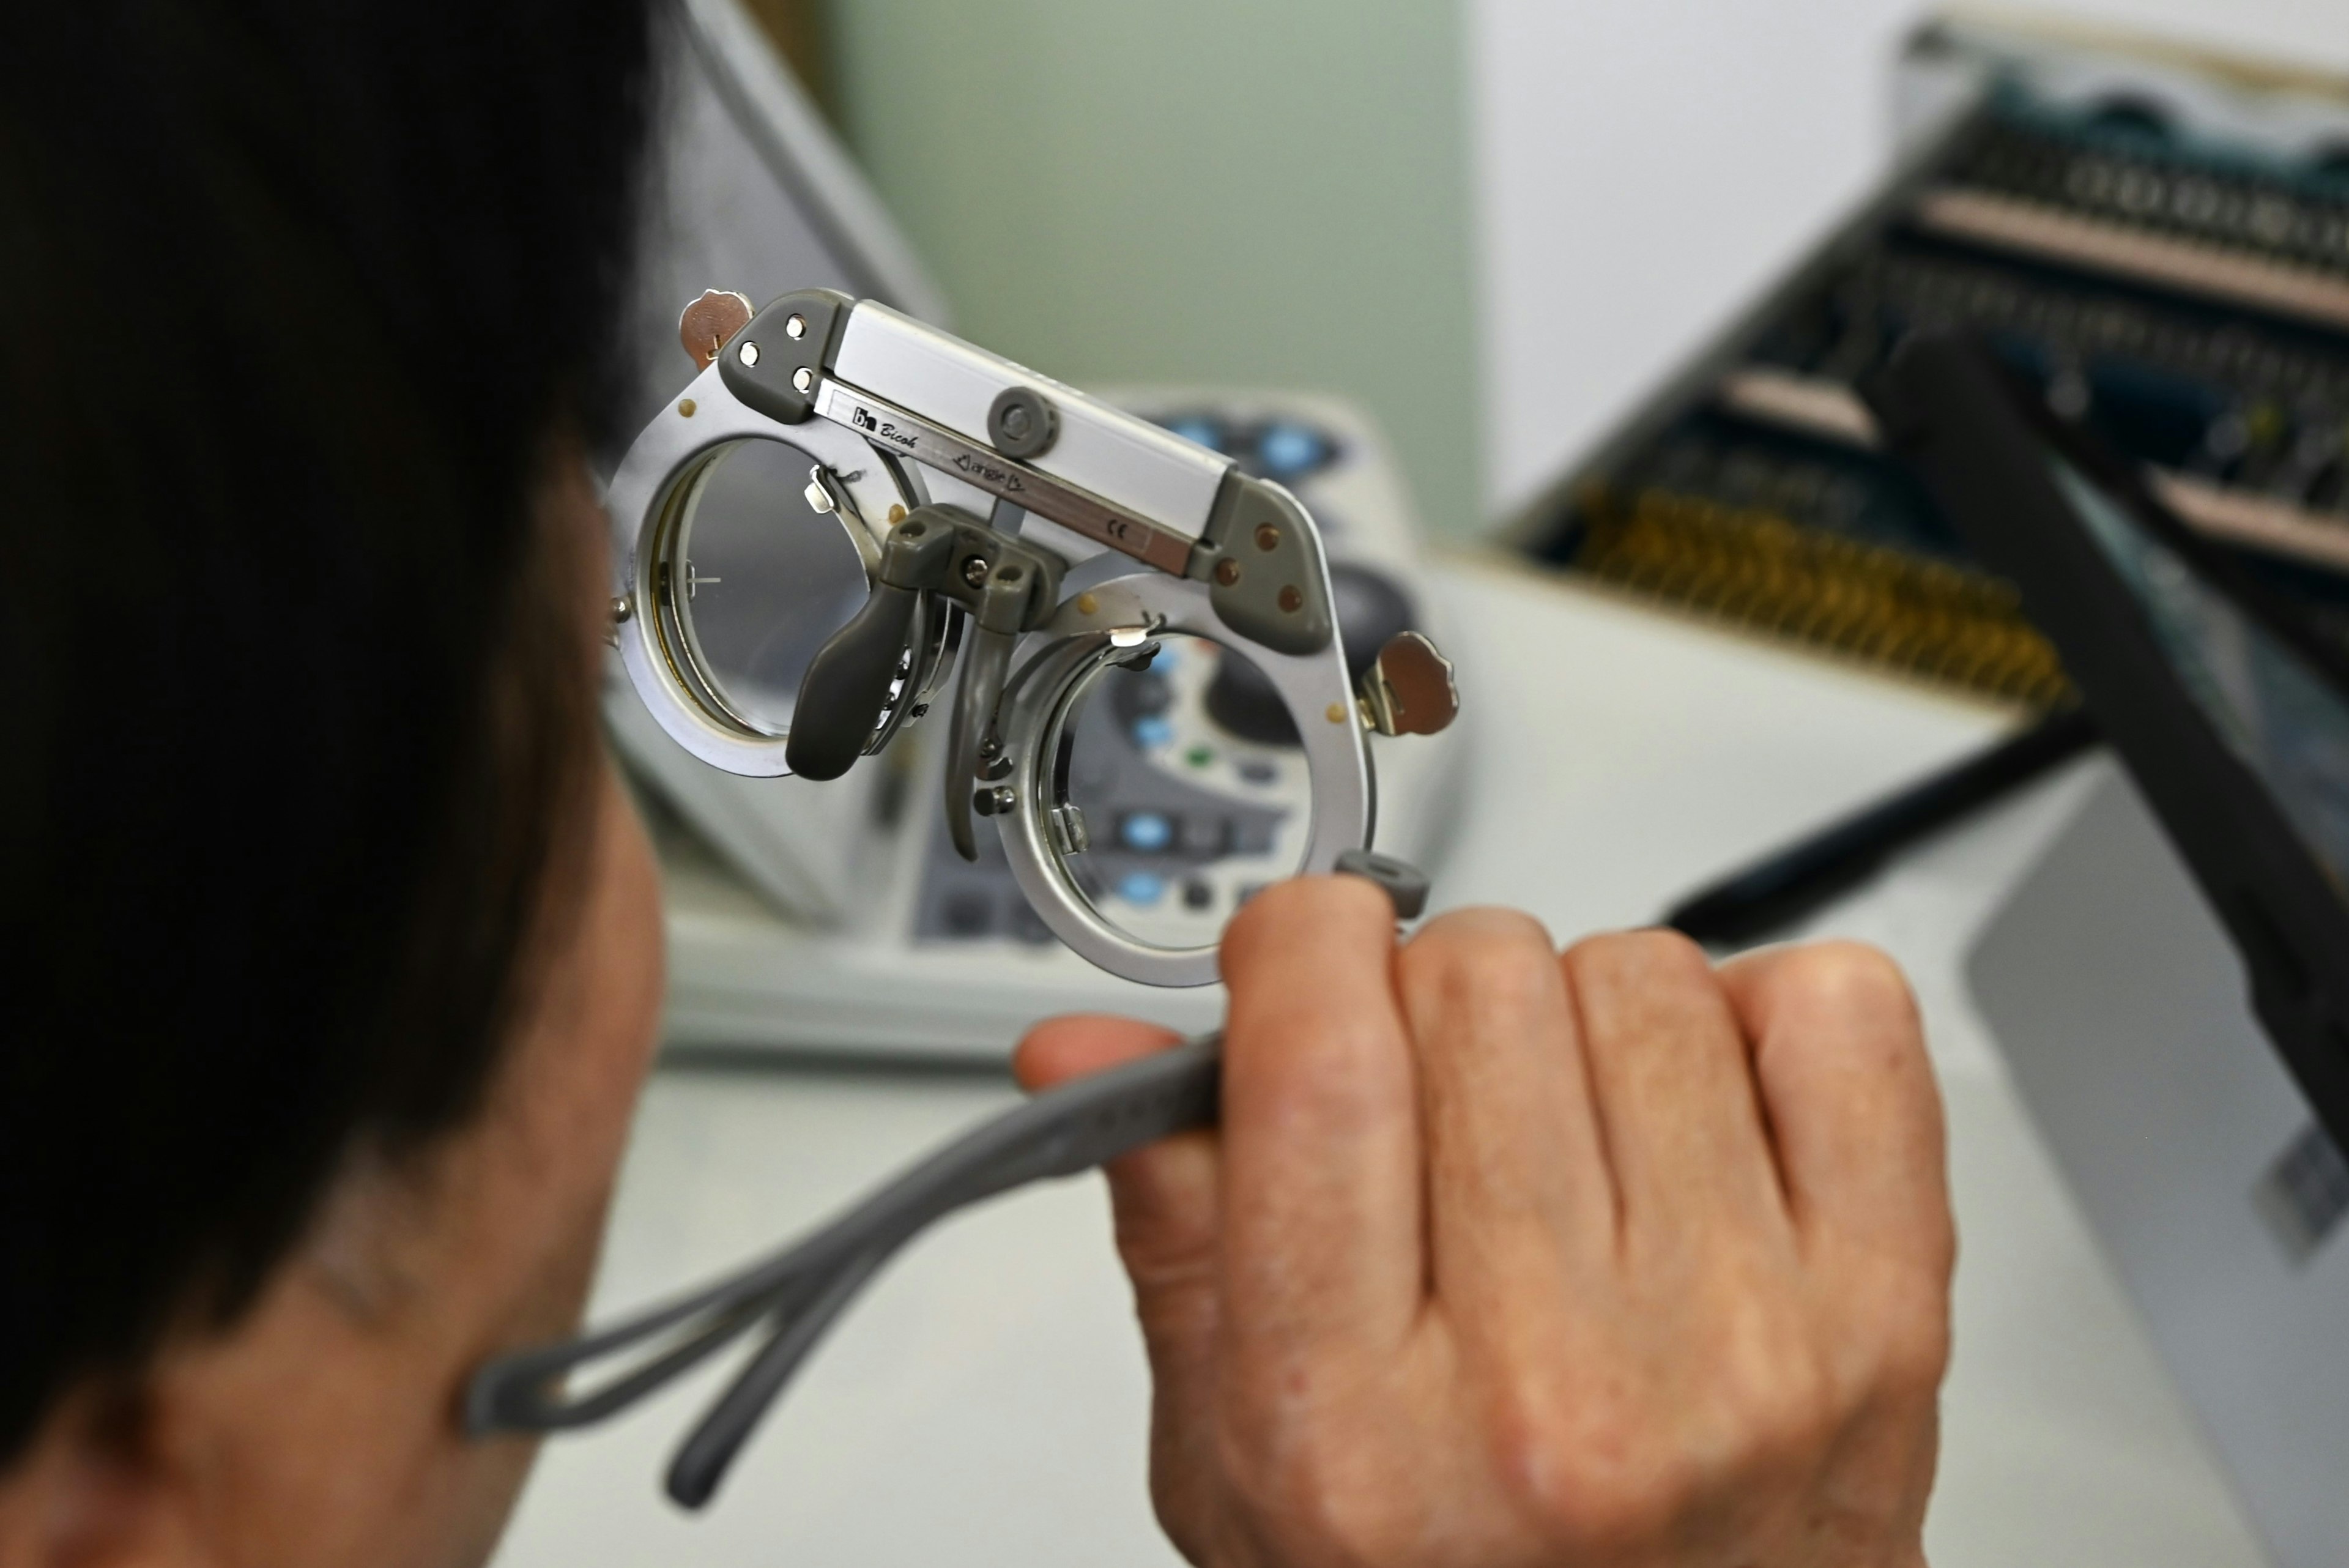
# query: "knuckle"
(1850, 977)
(1893, 1328)
(1312, 1492)
(1605, 1465)
(1304, 904)
(1474, 930)
(1785, 1407)
(1181, 1500)
(1913, 1353)
(1585, 1469)
(1655, 957)
(1777, 1399)
(1934, 1247)
(1918, 1361)
(1479, 952)
(1620, 1510)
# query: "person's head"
(329, 947)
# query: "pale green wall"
(1270, 192)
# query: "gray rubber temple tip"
(1405, 885)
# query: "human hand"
(1503, 1257)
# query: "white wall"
(1643, 166)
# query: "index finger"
(1321, 1169)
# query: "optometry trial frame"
(1103, 533)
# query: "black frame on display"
(1981, 439)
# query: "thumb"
(1165, 1201)
(1059, 1049)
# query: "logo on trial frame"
(863, 420)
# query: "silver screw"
(750, 353)
(623, 608)
(803, 379)
(795, 327)
(995, 802)
(974, 571)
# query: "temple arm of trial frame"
(800, 1291)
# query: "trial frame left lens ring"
(651, 499)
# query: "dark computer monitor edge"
(1980, 439)
(805, 157)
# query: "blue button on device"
(1147, 831)
(1204, 432)
(1140, 888)
(1287, 449)
(1151, 730)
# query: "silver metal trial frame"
(651, 501)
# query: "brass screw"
(1227, 572)
(1335, 712)
(686, 408)
(1268, 538)
(896, 515)
(1291, 601)
(1087, 604)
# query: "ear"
(95, 1490)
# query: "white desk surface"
(986, 1403)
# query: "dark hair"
(300, 298)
